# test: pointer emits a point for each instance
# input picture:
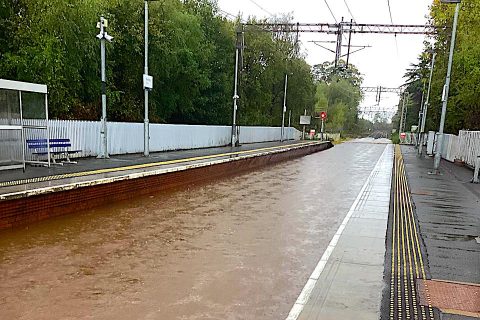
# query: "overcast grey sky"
(382, 64)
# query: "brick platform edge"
(25, 209)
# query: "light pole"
(235, 98)
(238, 50)
(446, 88)
(103, 35)
(284, 106)
(425, 106)
(147, 86)
(420, 115)
(289, 124)
(403, 115)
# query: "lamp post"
(102, 36)
(446, 88)
(284, 107)
(147, 86)
(425, 106)
(235, 101)
(238, 62)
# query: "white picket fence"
(468, 147)
(127, 137)
(464, 147)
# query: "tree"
(464, 99)
(339, 94)
(191, 59)
(327, 72)
(267, 59)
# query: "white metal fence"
(464, 147)
(468, 148)
(127, 137)
(450, 147)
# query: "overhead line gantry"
(346, 27)
(343, 27)
(338, 29)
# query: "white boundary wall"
(464, 147)
(127, 137)
(450, 147)
(468, 148)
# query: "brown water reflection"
(237, 248)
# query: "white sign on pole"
(147, 82)
(305, 120)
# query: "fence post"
(477, 170)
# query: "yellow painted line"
(411, 251)
(399, 265)
(405, 279)
(461, 313)
(404, 241)
(148, 165)
(409, 242)
(392, 278)
(406, 217)
(410, 211)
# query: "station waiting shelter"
(23, 115)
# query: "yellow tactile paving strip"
(408, 262)
(147, 165)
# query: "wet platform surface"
(241, 247)
(447, 207)
(91, 168)
(348, 280)
(406, 264)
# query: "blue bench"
(59, 149)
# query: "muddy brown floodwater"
(236, 248)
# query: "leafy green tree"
(327, 72)
(191, 59)
(267, 59)
(464, 99)
(338, 93)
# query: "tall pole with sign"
(289, 124)
(103, 36)
(284, 106)
(146, 127)
(323, 116)
(303, 132)
(238, 57)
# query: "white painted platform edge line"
(304, 296)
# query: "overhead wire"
(391, 20)
(331, 12)
(349, 11)
(390, 10)
(333, 16)
(261, 8)
(232, 15)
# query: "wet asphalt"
(447, 211)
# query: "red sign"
(323, 115)
(403, 135)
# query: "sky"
(384, 64)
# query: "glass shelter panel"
(11, 153)
(24, 132)
(9, 107)
(34, 113)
